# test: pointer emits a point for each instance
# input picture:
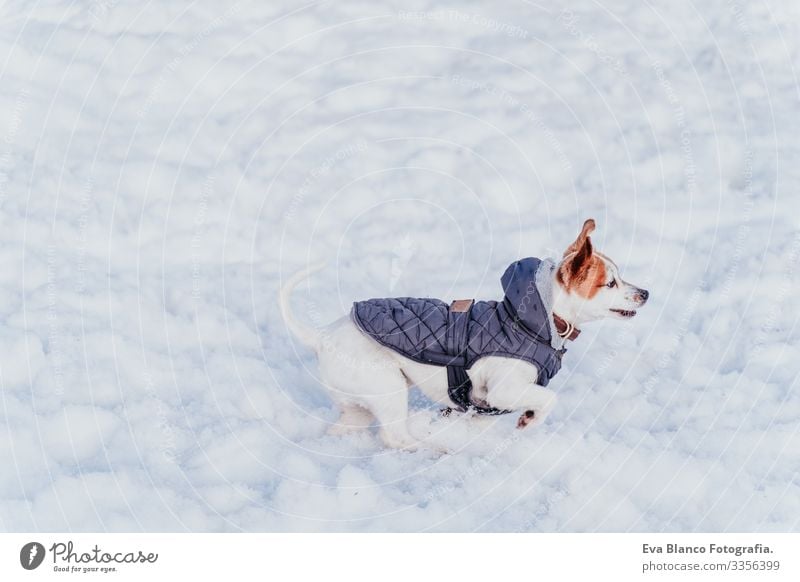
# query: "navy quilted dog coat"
(429, 331)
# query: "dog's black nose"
(644, 294)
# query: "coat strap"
(459, 386)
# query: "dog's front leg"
(536, 401)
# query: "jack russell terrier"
(484, 357)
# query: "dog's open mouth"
(624, 312)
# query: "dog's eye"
(611, 284)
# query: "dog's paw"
(525, 419)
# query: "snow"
(163, 167)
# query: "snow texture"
(165, 165)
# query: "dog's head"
(588, 285)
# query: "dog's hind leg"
(395, 435)
(359, 371)
(353, 418)
(391, 410)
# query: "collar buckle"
(565, 329)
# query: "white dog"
(370, 380)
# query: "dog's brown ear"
(588, 228)
(581, 250)
(581, 258)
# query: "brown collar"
(565, 329)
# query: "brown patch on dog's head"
(581, 271)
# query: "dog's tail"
(306, 334)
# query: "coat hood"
(528, 296)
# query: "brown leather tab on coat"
(461, 305)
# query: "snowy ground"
(163, 168)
